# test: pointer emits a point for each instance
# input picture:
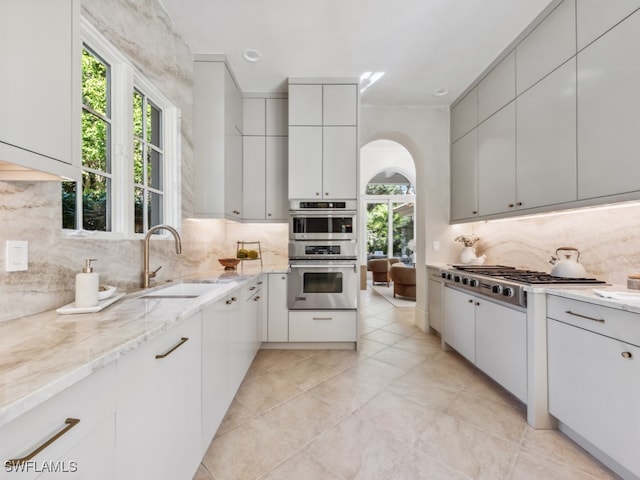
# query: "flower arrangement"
(468, 240)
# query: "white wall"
(424, 132)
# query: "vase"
(468, 255)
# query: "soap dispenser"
(87, 286)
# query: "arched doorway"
(387, 192)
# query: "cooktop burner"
(529, 277)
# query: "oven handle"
(355, 266)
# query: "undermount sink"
(185, 290)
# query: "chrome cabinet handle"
(252, 288)
(169, 352)
(231, 300)
(257, 298)
(69, 422)
(599, 320)
(626, 354)
(323, 318)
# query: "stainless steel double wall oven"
(323, 267)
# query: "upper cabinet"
(40, 98)
(217, 139)
(323, 139)
(464, 116)
(550, 44)
(595, 17)
(464, 177)
(609, 112)
(498, 88)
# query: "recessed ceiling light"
(251, 55)
(440, 92)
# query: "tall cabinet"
(40, 90)
(323, 139)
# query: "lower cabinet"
(493, 337)
(594, 386)
(322, 326)
(277, 310)
(158, 423)
(79, 422)
(434, 299)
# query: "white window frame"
(124, 77)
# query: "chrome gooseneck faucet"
(146, 274)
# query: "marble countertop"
(586, 294)
(45, 353)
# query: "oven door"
(322, 226)
(319, 285)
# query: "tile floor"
(399, 409)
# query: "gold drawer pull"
(69, 422)
(626, 354)
(599, 320)
(177, 345)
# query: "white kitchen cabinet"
(595, 17)
(245, 334)
(254, 116)
(305, 104)
(278, 311)
(254, 171)
(277, 204)
(546, 140)
(501, 345)
(217, 140)
(435, 291)
(594, 390)
(548, 46)
(276, 117)
(498, 88)
(323, 146)
(609, 113)
(85, 415)
(158, 421)
(497, 162)
(40, 89)
(464, 116)
(322, 326)
(464, 177)
(459, 323)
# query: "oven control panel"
(498, 289)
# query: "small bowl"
(105, 291)
(229, 263)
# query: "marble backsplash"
(32, 212)
(608, 239)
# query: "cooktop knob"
(449, 276)
(473, 282)
(465, 280)
(508, 292)
(456, 278)
(444, 274)
(496, 289)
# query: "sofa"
(404, 281)
(379, 268)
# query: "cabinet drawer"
(92, 401)
(607, 321)
(322, 326)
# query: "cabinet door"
(253, 116)
(498, 88)
(305, 162)
(233, 175)
(609, 113)
(340, 159)
(594, 390)
(277, 119)
(40, 90)
(497, 162)
(464, 177)
(159, 406)
(277, 205)
(594, 17)
(434, 304)
(548, 46)
(501, 346)
(464, 116)
(340, 104)
(253, 178)
(546, 146)
(216, 384)
(305, 104)
(277, 310)
(459, 324)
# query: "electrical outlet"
(17, 256)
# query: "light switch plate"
(17, 256)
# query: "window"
(130, 175)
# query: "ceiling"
(420, 45)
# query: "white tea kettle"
(566, 264)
